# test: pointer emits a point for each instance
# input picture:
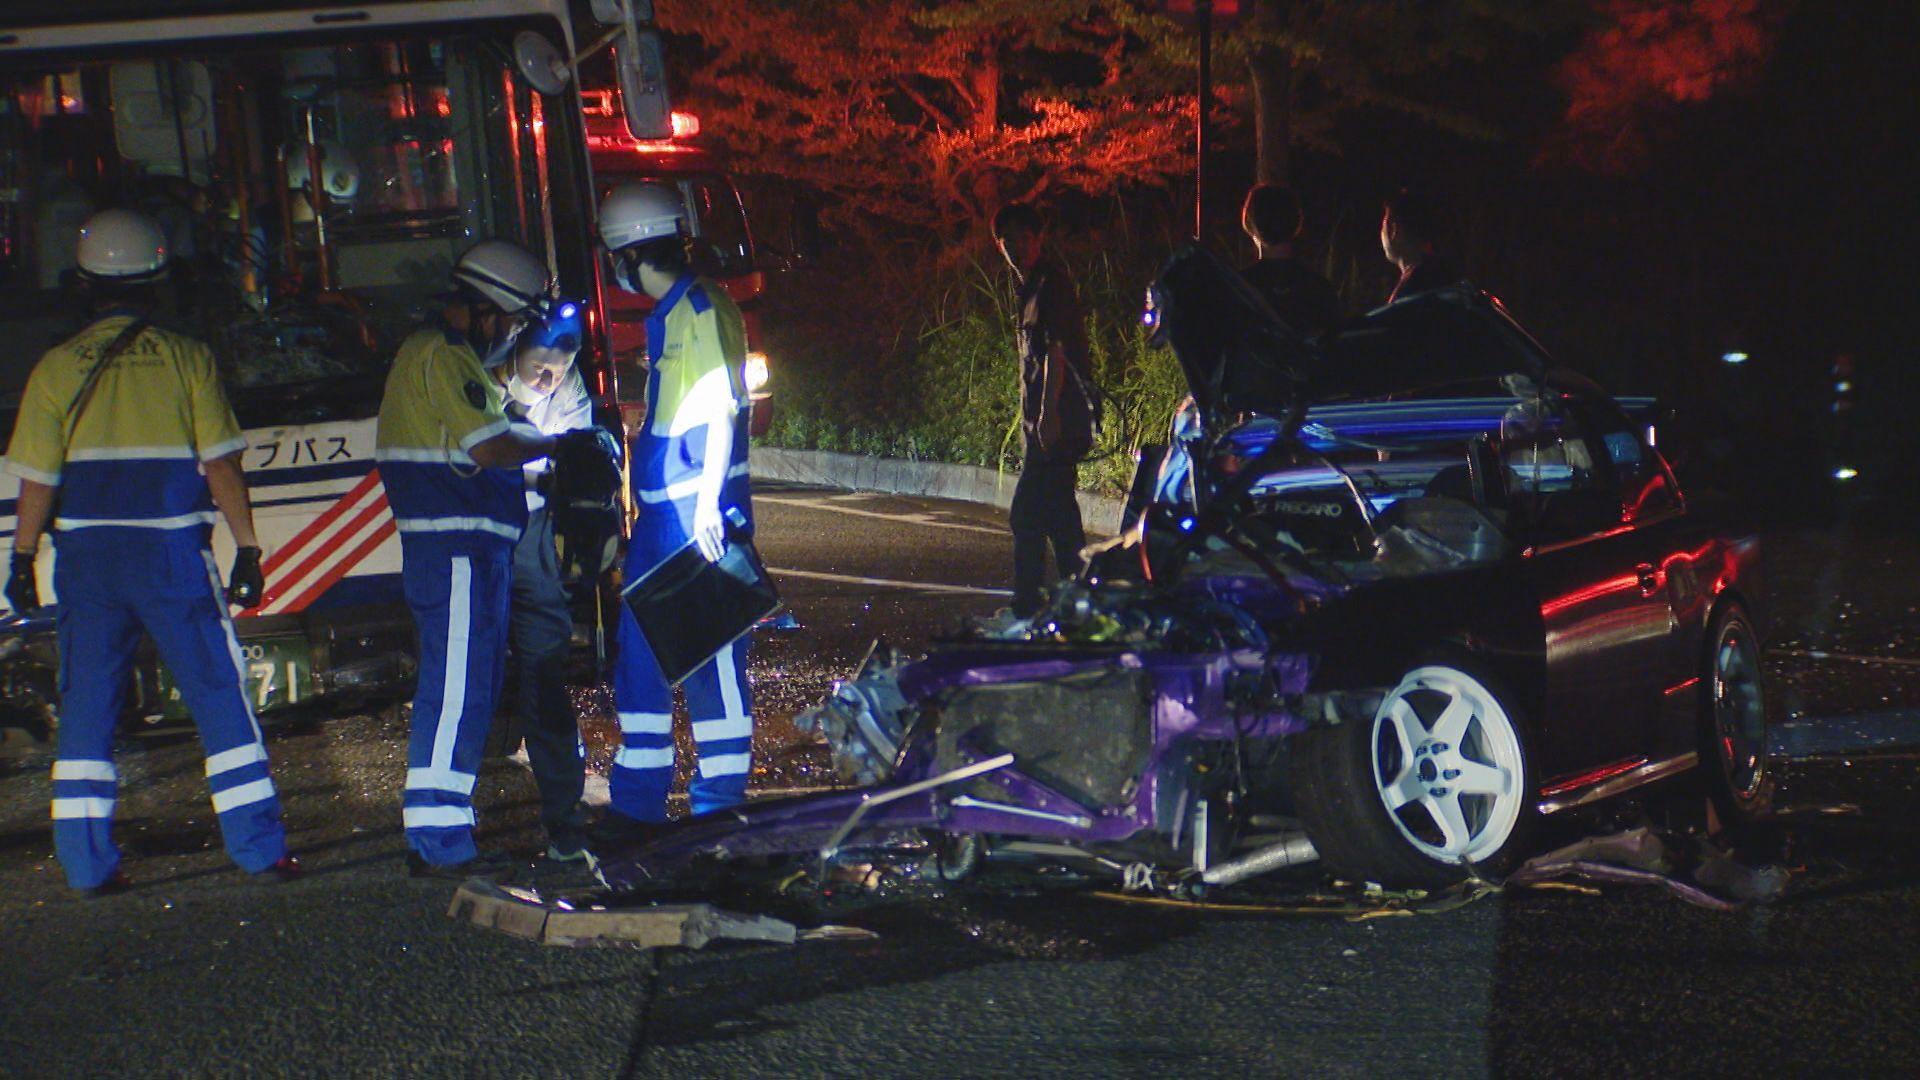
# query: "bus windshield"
(315, 196)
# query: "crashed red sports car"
(1387, 599)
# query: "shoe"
(116, 883)
(618, 832)
(490, 865)
(288, 868)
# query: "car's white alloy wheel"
(1447, 764)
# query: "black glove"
(586, 466)
(588, 448)
(23, 589)
(245, 582)
(585, 500)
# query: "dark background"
(1775, 218)
(1779, 221)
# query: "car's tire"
(1386, 798)
(1733, 720)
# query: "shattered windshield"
(314, 197)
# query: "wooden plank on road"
(687, 926)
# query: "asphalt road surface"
(357, 971)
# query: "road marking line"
(1856, 658)
(922, 518)
(888, 583)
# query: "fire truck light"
(756, 373)
(685, 125)
(1733, 358)
(1846, 472)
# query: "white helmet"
(504, 274)
(635, 213)
(339, 173)
(122, 245)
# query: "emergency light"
(684, 125)
(561, 328)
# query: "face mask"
(524, 394)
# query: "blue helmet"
(562, 326)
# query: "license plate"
(279, 673)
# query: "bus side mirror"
(643, 87)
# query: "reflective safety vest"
(128, 459)
(695, 338)
(439, 404)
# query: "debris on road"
(1642, 857)
(833, 932)
(525, 914)
(1354, 904)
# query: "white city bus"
(423, 126)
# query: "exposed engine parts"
(863, 721)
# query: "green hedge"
(892, 365)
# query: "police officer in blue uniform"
(451, 460)
(128, 425)
(689, 475)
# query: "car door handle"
(1649, 578)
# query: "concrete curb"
(897, 476)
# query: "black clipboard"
(689, 609)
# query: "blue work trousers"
(542, 635)
(718, 702)
(457, 587)
(110, 590)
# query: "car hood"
(1238, 357)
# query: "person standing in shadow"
(1409, 231)
(1303, 299)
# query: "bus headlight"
(756, 372)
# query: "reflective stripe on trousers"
(108, 595)
(457, 590)
(718, 701)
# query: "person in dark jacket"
(1304, 300)
(1056, 407)
(1409, 227)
